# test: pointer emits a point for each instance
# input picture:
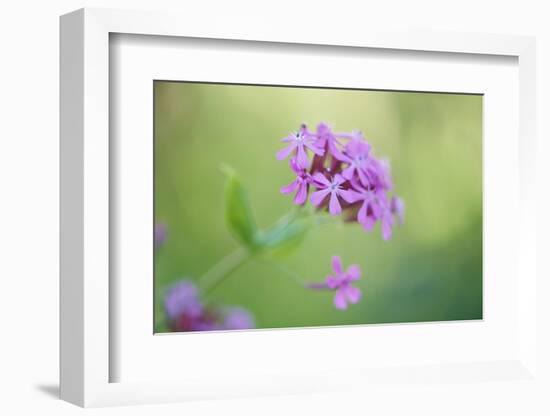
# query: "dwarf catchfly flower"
(299, 142)
(341, 283)
(348, 178)
(185, 312)
(300, 185)
(333, 187)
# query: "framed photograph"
(257, 249)
(281, 211)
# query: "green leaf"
(286, 235)
(281, 239)
(238, 213)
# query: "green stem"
(284, 270)
(221, 270)
(227, 265)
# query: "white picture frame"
(86, 304)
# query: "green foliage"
(282, 238)
(286, 235)
(238, 213)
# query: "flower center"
(360, 160)
(369, 195)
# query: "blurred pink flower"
(341, 281)
(185, 312)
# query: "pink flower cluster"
(348, 179)
(185, 312)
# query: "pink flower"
(341, 281)
(299, 142)
(327, 140)
(186, 312)
(300, 184)
(182, 299)
(370, 210)
(333, 188)
(382, 175)
(357, 156)
(237, 318)
(375, 207)
(350, 180)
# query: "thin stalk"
(223, 269)
(227, 265)
(294, 276)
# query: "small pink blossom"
(237, 318)
(382, 174)
(359, 163)
(333, 188)
(341, 282)
(370, 210)
(300, 185)
(185, 311)
(328, 141)
(299, 142)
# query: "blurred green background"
(431, 270)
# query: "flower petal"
(301, 195)
(354, 272)
(182, 299)
(362, 213)
(318, 197)
(337, 265)
(348, 172)
(315, 149)
(294, 166)
(283, 153)
(291, 187)
(339, 179)
(376, 210)
(237, 318)
(368, 225)
(320, 179)
(349, 196)
(353, 294)
(301, 157)
(355, 184)
(398, 208)
(334, 207)
(363, 176)
(387, 222)
(335, 152)
(340, 299)
(332, 282)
